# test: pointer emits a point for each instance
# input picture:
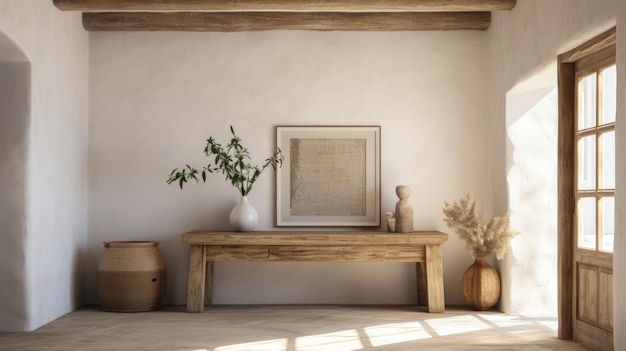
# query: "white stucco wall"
(156, 97)
(14, 124)
(51, 157)
(529, 285)
(523, 45)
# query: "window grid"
(586, 188)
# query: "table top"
(350, 238)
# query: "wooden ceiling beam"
(287, 5)
(257, 21)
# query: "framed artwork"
(330, 176)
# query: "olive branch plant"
(232, 160)
(481, 239)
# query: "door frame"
(566, 169)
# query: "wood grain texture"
(421, 247)
(434, 279)
(600, 259)
(260, 21)
(592, 46)
(285, 5)
(196, 280)
(605, 299)
(300, 253)
(587, 287)
(208, 283)
(566, 198)
(422, 286)
(594, 338)
(341, 254)
(275, 238)
(590, 64)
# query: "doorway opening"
(587, 153)
(15, 78)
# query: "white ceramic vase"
(243, 217)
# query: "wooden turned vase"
(481, 285)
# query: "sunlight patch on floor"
(388, 334)
(457, 325)
(405, 332)
(265, 345)
(552, 324)
(346, 340)
(504, 320)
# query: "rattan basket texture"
(131, 276)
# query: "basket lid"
(130, 244)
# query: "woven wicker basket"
(131, 276)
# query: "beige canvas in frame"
(330, 176)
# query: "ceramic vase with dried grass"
(481, 282)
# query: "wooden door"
(587, 191)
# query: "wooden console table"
(421, 247)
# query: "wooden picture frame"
(330, 176)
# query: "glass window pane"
(587, 102)
(587, 163)
(608, 224)
(609, 95)
(587, 223)
(607, 142)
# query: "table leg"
(434, 279)
(422, 287)
(196, 279)
(208, 284)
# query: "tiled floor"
(292, 328)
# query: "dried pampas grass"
(481, 240)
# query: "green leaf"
(230, 160)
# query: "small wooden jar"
(131, 276)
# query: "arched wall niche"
(15, 87)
